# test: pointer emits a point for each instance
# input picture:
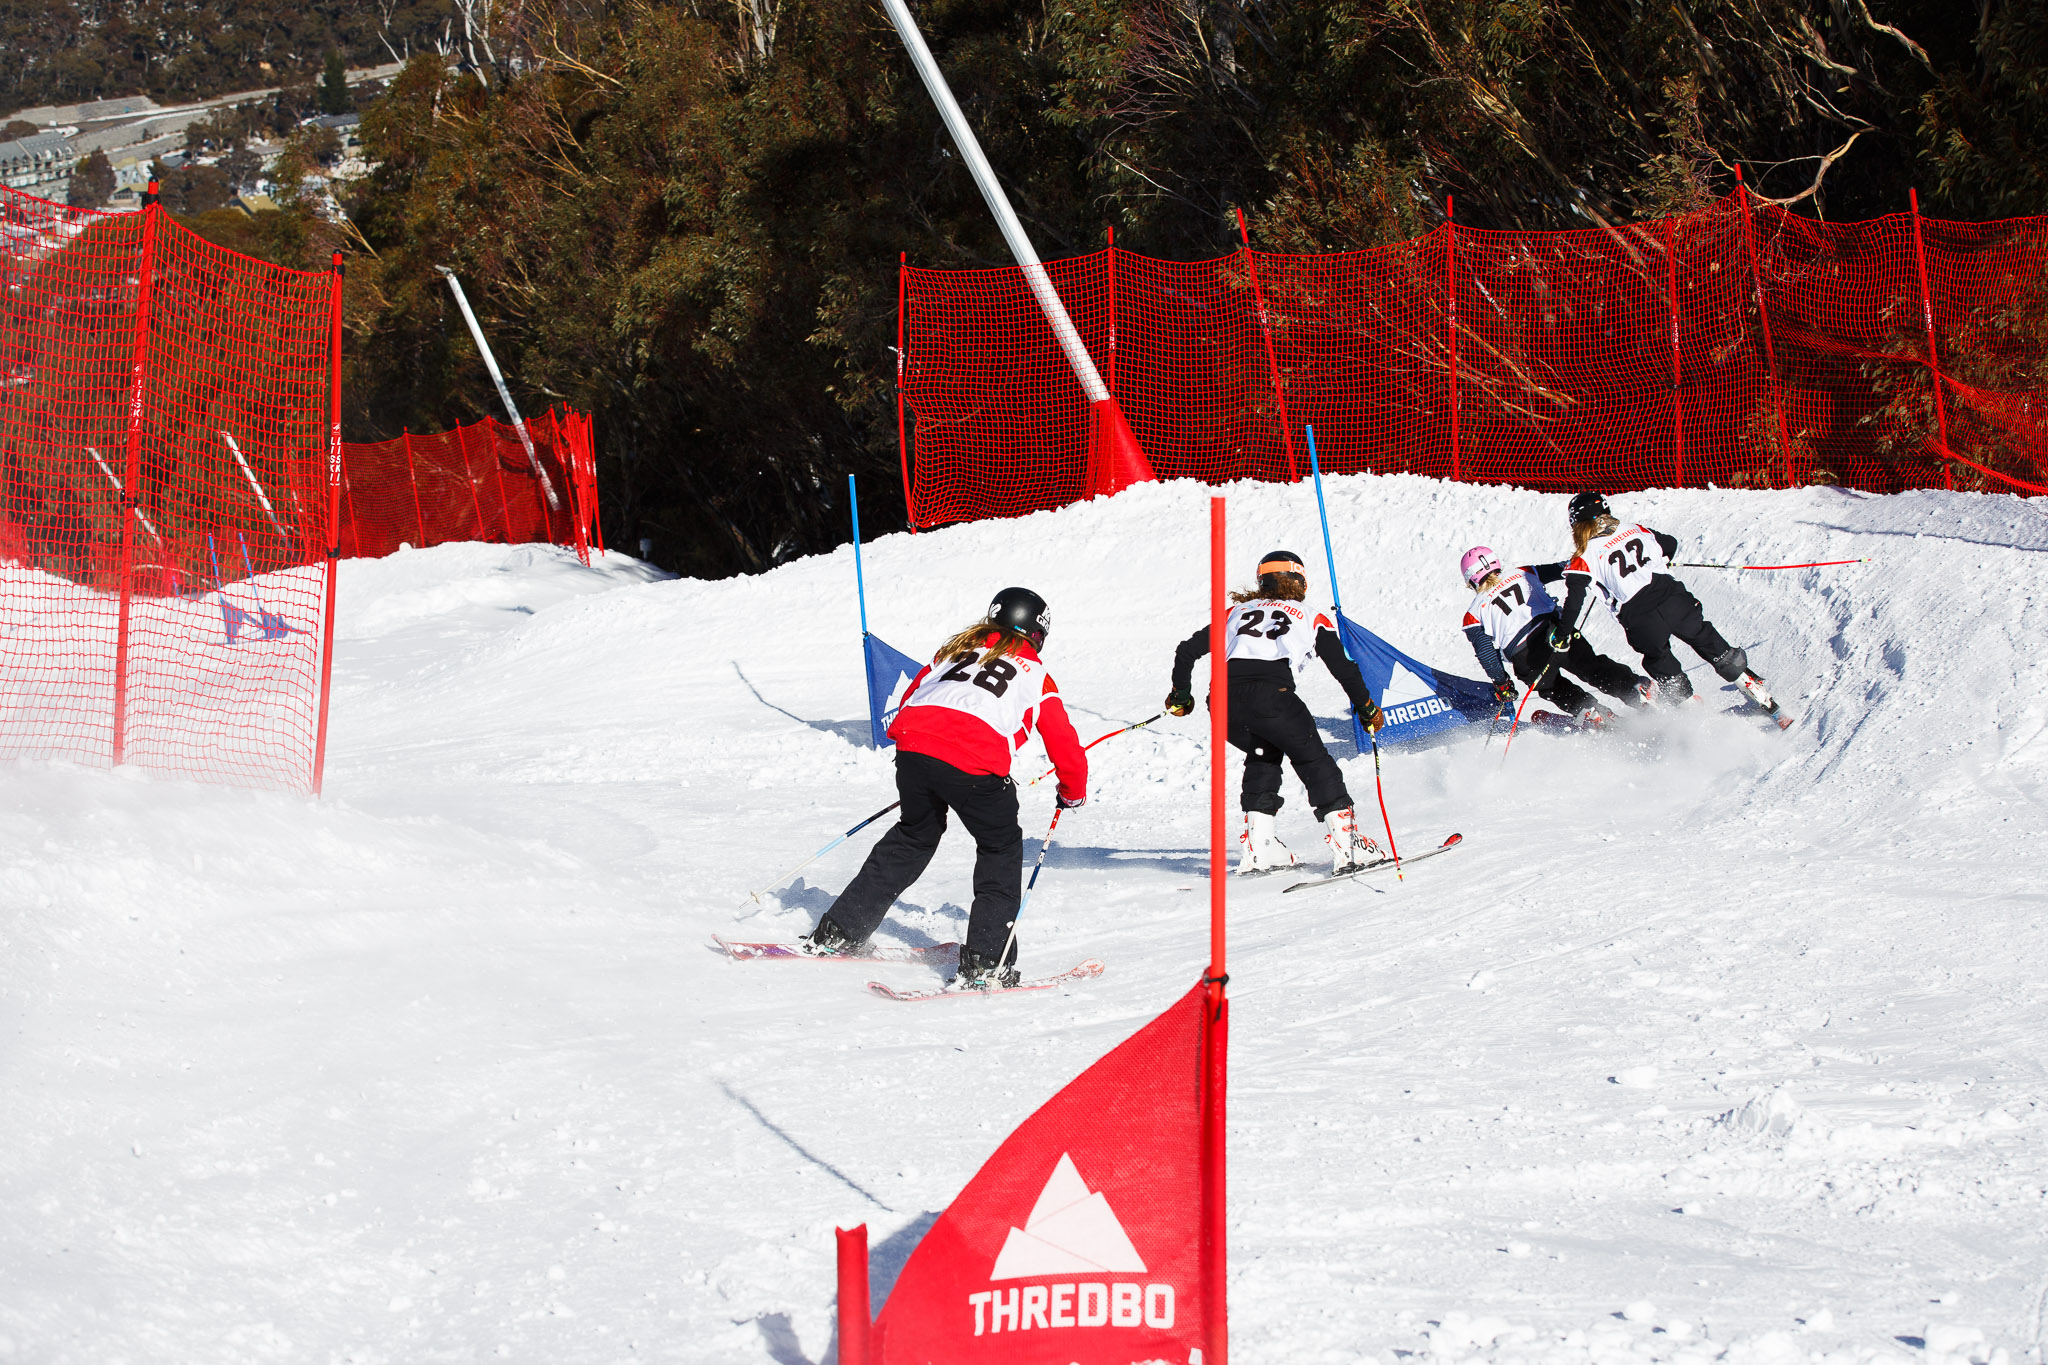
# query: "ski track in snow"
(1711, 1043)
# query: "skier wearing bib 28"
(1514, 621)
(1631, 567)
(954, 737)
(1271, 639)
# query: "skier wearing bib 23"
(1513, 620)
(1271, 639)
(954, 734)
(1631, 567)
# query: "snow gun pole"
(860, 590)
(261, 496)
(1817, 564)
(756, 895)
(140, 514)
(1092, 743)
(1216, 1021)
(1111, 444)
(547, 485)
(1043, 849)
(1315, 468)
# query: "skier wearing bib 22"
(954, 736)
(1631, 567)
(1271, 639)
(1514, 621)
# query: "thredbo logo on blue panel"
(1418, 700)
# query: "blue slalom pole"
(1315, 468)
(220, 590)
(860, 588)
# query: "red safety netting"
(476, 482)
(1741, 345)
(167, 415)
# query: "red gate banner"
(1080, 1241)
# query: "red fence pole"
(1216, 1030)
(902, 434)
(587, 426)
(469, 477)
(1948, 470)
(1272, 361)
(413, 474)
(856, 1319)
(1677, 392)
(138, 390)
(1764, 318)
(1451, 291)
(333, 519)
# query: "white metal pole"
(250, 475)
(547, 485)
(117, 493)
(998, 203)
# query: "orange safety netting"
(168, 420)
(473, 483)
(1742, 346)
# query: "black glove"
(1070, 802)
(1179, 702)
(1504, 691)
(1371, 717)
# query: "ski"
(788, 952)
(1749, 711)
(1043, 983)
(1445, 847)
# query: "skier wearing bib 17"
(1631, 567)
(954, 735)
(1271, 639)
(1514, 621)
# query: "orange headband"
(1292, 566)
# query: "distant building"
(33, 162)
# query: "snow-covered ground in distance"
(1711, 1043)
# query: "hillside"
(1711, 1043)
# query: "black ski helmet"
(1588, 507)
(1023, 611)
(1274, 564)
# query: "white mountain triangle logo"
(1404, 686)
(1070, 1231)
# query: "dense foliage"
(687, 218)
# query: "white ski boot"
(1263, 851)
(1349, 849)
(1753, 687)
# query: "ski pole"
(1394, 852)
(1091, 744)
(1043, 849)
(755, 896)
(1817, 564)
(1522, 703)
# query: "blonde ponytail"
(976, 637)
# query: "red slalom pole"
(1092, 743)
(1216, 1022)
(854, 1319)
(1817, 564)
(1385, 823)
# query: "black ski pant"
(1617, 680)
(1666, 609)
(1269, 723)
(987, 806)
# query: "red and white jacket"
(975, 712)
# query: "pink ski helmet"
(1477, 564)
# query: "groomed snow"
(1712, 1043)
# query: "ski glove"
(1179, 702)
(1371, 717)
(1504, 691)
(1070, 802)
(1561, 637)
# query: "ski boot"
(1263, 851)
(829, 940)
(1595, 718)
(979, 972)
(1349, 850)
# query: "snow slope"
(1712, 1042)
